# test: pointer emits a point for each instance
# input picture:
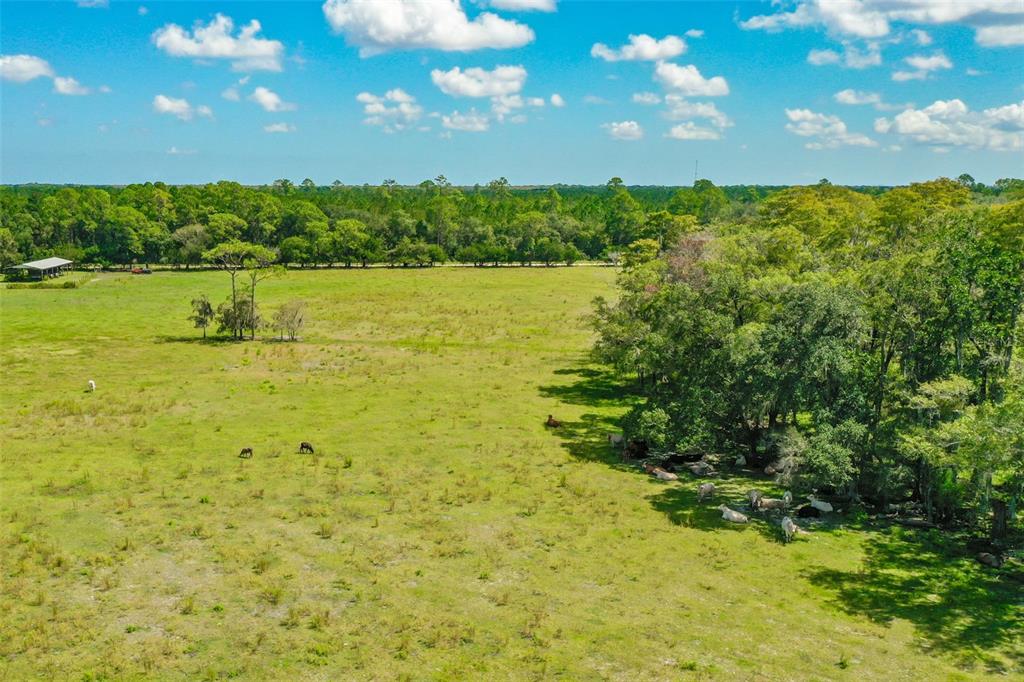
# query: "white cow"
(92, 385)
(820, 505)
(616, 439)
(733, 516)
(705, 490)
(789, 528)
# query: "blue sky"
(538, 91)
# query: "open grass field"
(440, 532)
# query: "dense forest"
(864, 346)
(307, 224)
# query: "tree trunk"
(1000, 516)
(236, 332)
(252, 310)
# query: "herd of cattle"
(756, 499)
(665, 470)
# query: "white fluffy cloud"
(650, 98)
(857, 97)
(69, 86)
(688, 80)
(231, 92)
(477, 82)
(923, 66)
(950, 123)
(681, 109)
(922, 38)
(624, 130)
(505, 105)
(524, 5)
(822, 57)
(246, 51)
(852, 56)
(557, 101)
(641, 47)
(270, 100)
(829, 132)
(279, 128)
(997, 23)
(694, 33)
(377, 26)
(179, 108)
(1001, 36)
(692, 131)
(22, 68)
(471, 121)
(501, 84)
(394, 110)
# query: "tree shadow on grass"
(596, 388)
(199, 340)
(959, 607)
(587, 437)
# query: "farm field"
(440, 531)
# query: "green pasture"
(440, 531)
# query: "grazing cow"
(820, 505)
(92, 385)
(552, 422)
(789, 529)
(808, 512)
(305, 447)
(246, 453)
(617, 440)
(990, 560)
(733, 516)
(705, 490)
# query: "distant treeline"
(387, 223)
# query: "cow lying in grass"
(552, 423)
(732, 516)
(660, 473)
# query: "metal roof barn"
(47, 267)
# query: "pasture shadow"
(926, 578)
(974, 615)
(198, 340)
(586, 438)
(596, 388)
(678, 502)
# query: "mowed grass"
(440, 532)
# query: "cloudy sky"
(539, 91)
